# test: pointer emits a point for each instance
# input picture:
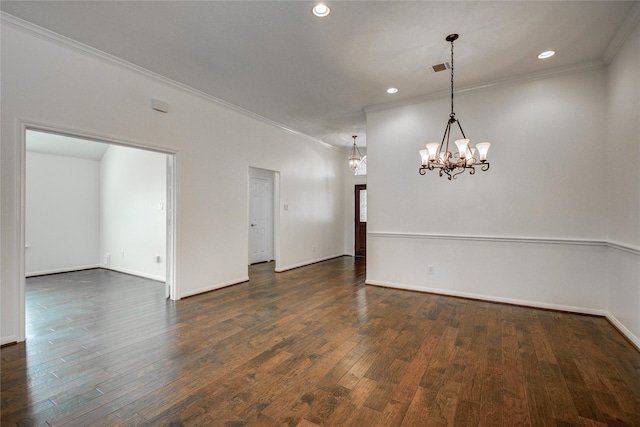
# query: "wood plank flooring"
(308, 347)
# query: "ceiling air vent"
(439, 67)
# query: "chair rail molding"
(508, 239)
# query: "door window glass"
(363, 205)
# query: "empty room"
(325, 243)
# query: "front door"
(260, 220)
(361, 221)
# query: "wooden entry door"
(361, 220)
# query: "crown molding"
(50, 36)
(555, 72)
(630, 23)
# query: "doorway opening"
(263, 199)
(112, 171)
(360, 238)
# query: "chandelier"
(354, 157)
(437, 156)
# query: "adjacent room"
(331, 255)
(90, 204)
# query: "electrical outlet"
(430, 269)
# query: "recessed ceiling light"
(546, 54)
(321, 10)
(392, 90)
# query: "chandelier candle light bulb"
(438, 156)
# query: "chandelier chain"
(452, 113)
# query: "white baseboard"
(488, 298)
(214, 287)
(9, 339)
(302, 264)
(624, 331)
(136, 273)
(62, 270)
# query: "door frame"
(257, 172)
(173, 285)
(356, 219)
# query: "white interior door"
(261, 220)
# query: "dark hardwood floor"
(312, 346)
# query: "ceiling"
(62, 145)
(317, 75)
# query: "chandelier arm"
(447, 134)
(444, 136)
(460, 126)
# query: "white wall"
(133, 199)
(530, 230)
(44, 81)
(624, 186)
(62, 213)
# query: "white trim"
(302, 264)
(20, 220)
(537, 240)
(488, 298)
(489, 238)
(136, 273)
(9, 339)
(62, 270)
(624, 331)
(276, 218)
(172, 242)
(624, 248)
(48, 35)
(106, 139)
(556, 72)
(625, 30)
(216, 286)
